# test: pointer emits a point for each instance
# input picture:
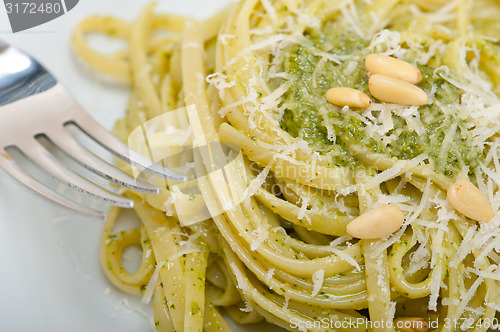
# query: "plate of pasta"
(342, 160)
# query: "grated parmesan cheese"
(303, 208)
(248, 307)
(148, 293)
(317, 279)
(349, 12)
(269, 9)
(346, 257)
(465, 299)
(435, 286)
(254, 185)
(261, 234)
(269, 276)
(241, 281)
(464, 248)
(220, 82)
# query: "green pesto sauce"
(304, 100)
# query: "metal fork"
(33, 105)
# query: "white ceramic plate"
(50, 276)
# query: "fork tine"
(93, 129)
(12, 168)
(42, 158)
(64, 141)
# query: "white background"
(50, 278)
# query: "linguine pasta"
(255, 76)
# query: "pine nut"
(467, 199)
(376, 223)
(396, 91)
(389, 66)
(348, 97)
(411, 324)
